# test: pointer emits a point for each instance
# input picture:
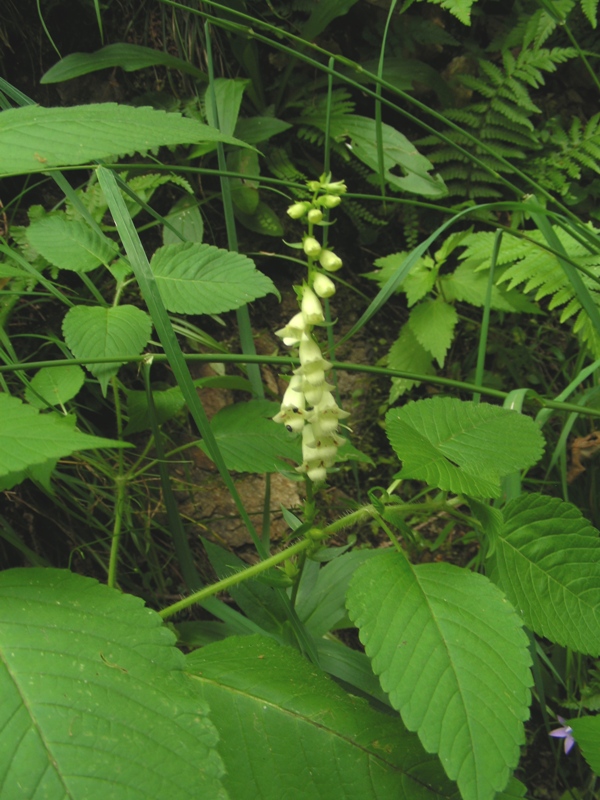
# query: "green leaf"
(28, 438)
(33, 139)
(201, 279)
(462, 447)
(255, 130)
(452, 656)
(54, 385)
(468, 286)
(286, 730)
(94, 700)
(590, 9)
(228, 93)
(460, 8)
(433, 323)
(407, 355)
(249, 439)
(322, 14)
(546, 557)
(95, 332)
(129, 57)
(587, 735)
(187, 220)
(70, 244)
(264, 220)
(398, 152)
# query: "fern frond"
(567, 153)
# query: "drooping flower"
(566, 733)
(323, 286)
(329, 261)
(294, 330)
(311, 307)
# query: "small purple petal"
(566, 733)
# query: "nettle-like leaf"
(460, 446)
(70, 244)
(28, 438)
(95, 332)
(54, 386)
(33, 139)
(433, 323)
(407, 355)
(250, 441)
(287, 730)
(187, 220)
(201, 279)
(451, 654)
(587, 735)
(95, 703)
(546, 557)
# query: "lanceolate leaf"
(28, 438)
(460, 446)
(70, 244)
(546, 557)
(249, 439)
(95, 332)
(95, 704)
(33, 138)
(286, 730)
(451, 654)
(201, 279)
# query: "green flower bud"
(323, 286)
(329, 261)
(298, 210)
(315, 216)
(311, 247)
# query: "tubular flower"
(311, 307)
(323, 286)
(329, 261)
(294, 330)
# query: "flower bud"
(297, 210)
(335, 187)
(312, 310)
(329, 261)
(314, 186)
(311, 246)
(315, 215)
(329, 200)
(323, 286)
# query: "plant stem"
(121, 487)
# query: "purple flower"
(566, 733)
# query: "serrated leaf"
(407, 355)
(546, 557)
(94, 700)
(201, 279)
(278, 715)
(451, 654)
(461, 9)
(433, 323)
(587, 735)
(70, 244)
(590, 9)
(54, 385)
(249, 439)
(28, 438)
(95, 332)
(33, 139)
(187, 220)
(467, 285)
(460, 446)
(129, 57)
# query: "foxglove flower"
(298, 210)
(566, 733)
(311, 307)
(329, 261)
(294, 330)
(311, 247)
(323, 286)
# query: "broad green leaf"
(398, 152)
(254, 130)
(286, 730)
(244, 191)
(264, 220)
(129, 57)
(249, 439)
(95, 332)
(468, 286)
(462, 447)
(433, 323)
(95, 703)
(70, 244)
(28, 438)
(417, 283)
(322, 14)
(407, 355)
(201, 279)
(587, 735)
(33, 139)
(451, 654)
(187, 220)
(54, 385)
(546, 557)
(228, 94)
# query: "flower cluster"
(308, 405)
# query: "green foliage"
(299, 723)
(460, 446)
(92, 687)
(452, 656)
